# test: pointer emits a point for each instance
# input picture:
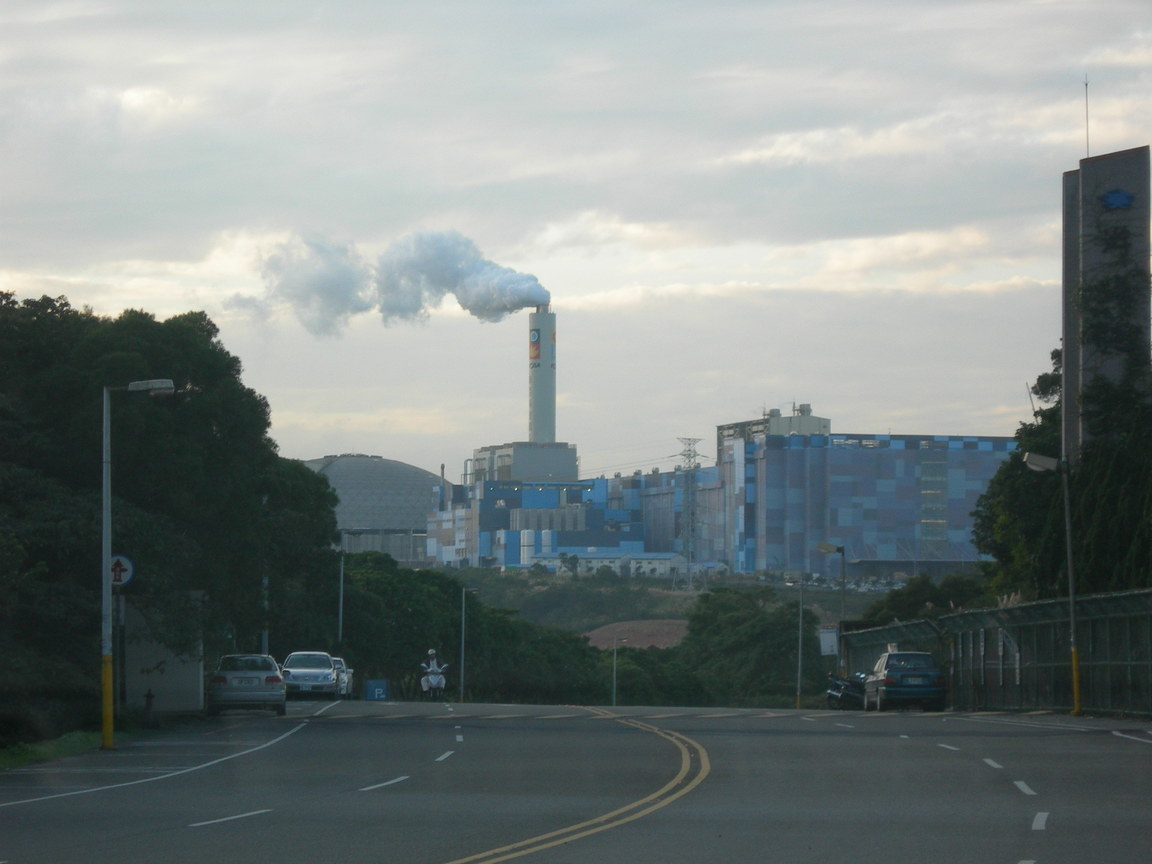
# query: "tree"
(202, 501)
(571, 563)
(922, 598)
(742, 643)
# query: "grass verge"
(71, 744)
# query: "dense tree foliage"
(202, 503)
(742, 646)
(922, 598)
(1020, 519)
(393, 615)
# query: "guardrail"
(1019, 658)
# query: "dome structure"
(383, 504)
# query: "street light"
(153, 387)
(1037, 462)
(355, 532)
(464, 592)
(463, 621)
(800, 642)
(829, 549)
(625, 639)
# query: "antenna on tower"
(1087, 142)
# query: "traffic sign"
(122, 571)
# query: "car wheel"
(281, 709)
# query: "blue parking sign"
(376, 691)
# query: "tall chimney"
(542, 376)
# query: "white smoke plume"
(328, 283)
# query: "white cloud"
(732, 204)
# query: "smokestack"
(542, 376)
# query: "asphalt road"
(449, 784)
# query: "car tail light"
(941, 680)
(889, 680)
(273, 679)
(218, 679)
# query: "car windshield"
(910, 661)
(308, 661)
(245, 664)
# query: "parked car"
(245, 681)
(311, 673)
(346, 678)
(905, 678)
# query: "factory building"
(897, 504)
(383, 504)
(781, 485)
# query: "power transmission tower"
(688, 523)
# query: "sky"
(731, 206)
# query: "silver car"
(245, 681)
(311, 673)
(345, 677)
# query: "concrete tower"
(1106, 243)
(542, 376)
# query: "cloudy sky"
(733, 206)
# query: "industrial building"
(782, 484)
(898, 505)
(383, 504)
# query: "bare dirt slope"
(663, 633)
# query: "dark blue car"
(905, 678)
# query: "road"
(477, 784)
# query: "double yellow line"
(694, 767)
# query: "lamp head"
(1037, 462)
(153, 386)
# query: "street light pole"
(463, 619)
(828, 549)
(1074, 651)
(154, 387)
(1037, 462)
(800, 643)
(340, 600)
(344, 532)
(625, 639)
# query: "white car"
(347, 689)
(311, 673)
(245, 681)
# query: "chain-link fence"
(1019, 657)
